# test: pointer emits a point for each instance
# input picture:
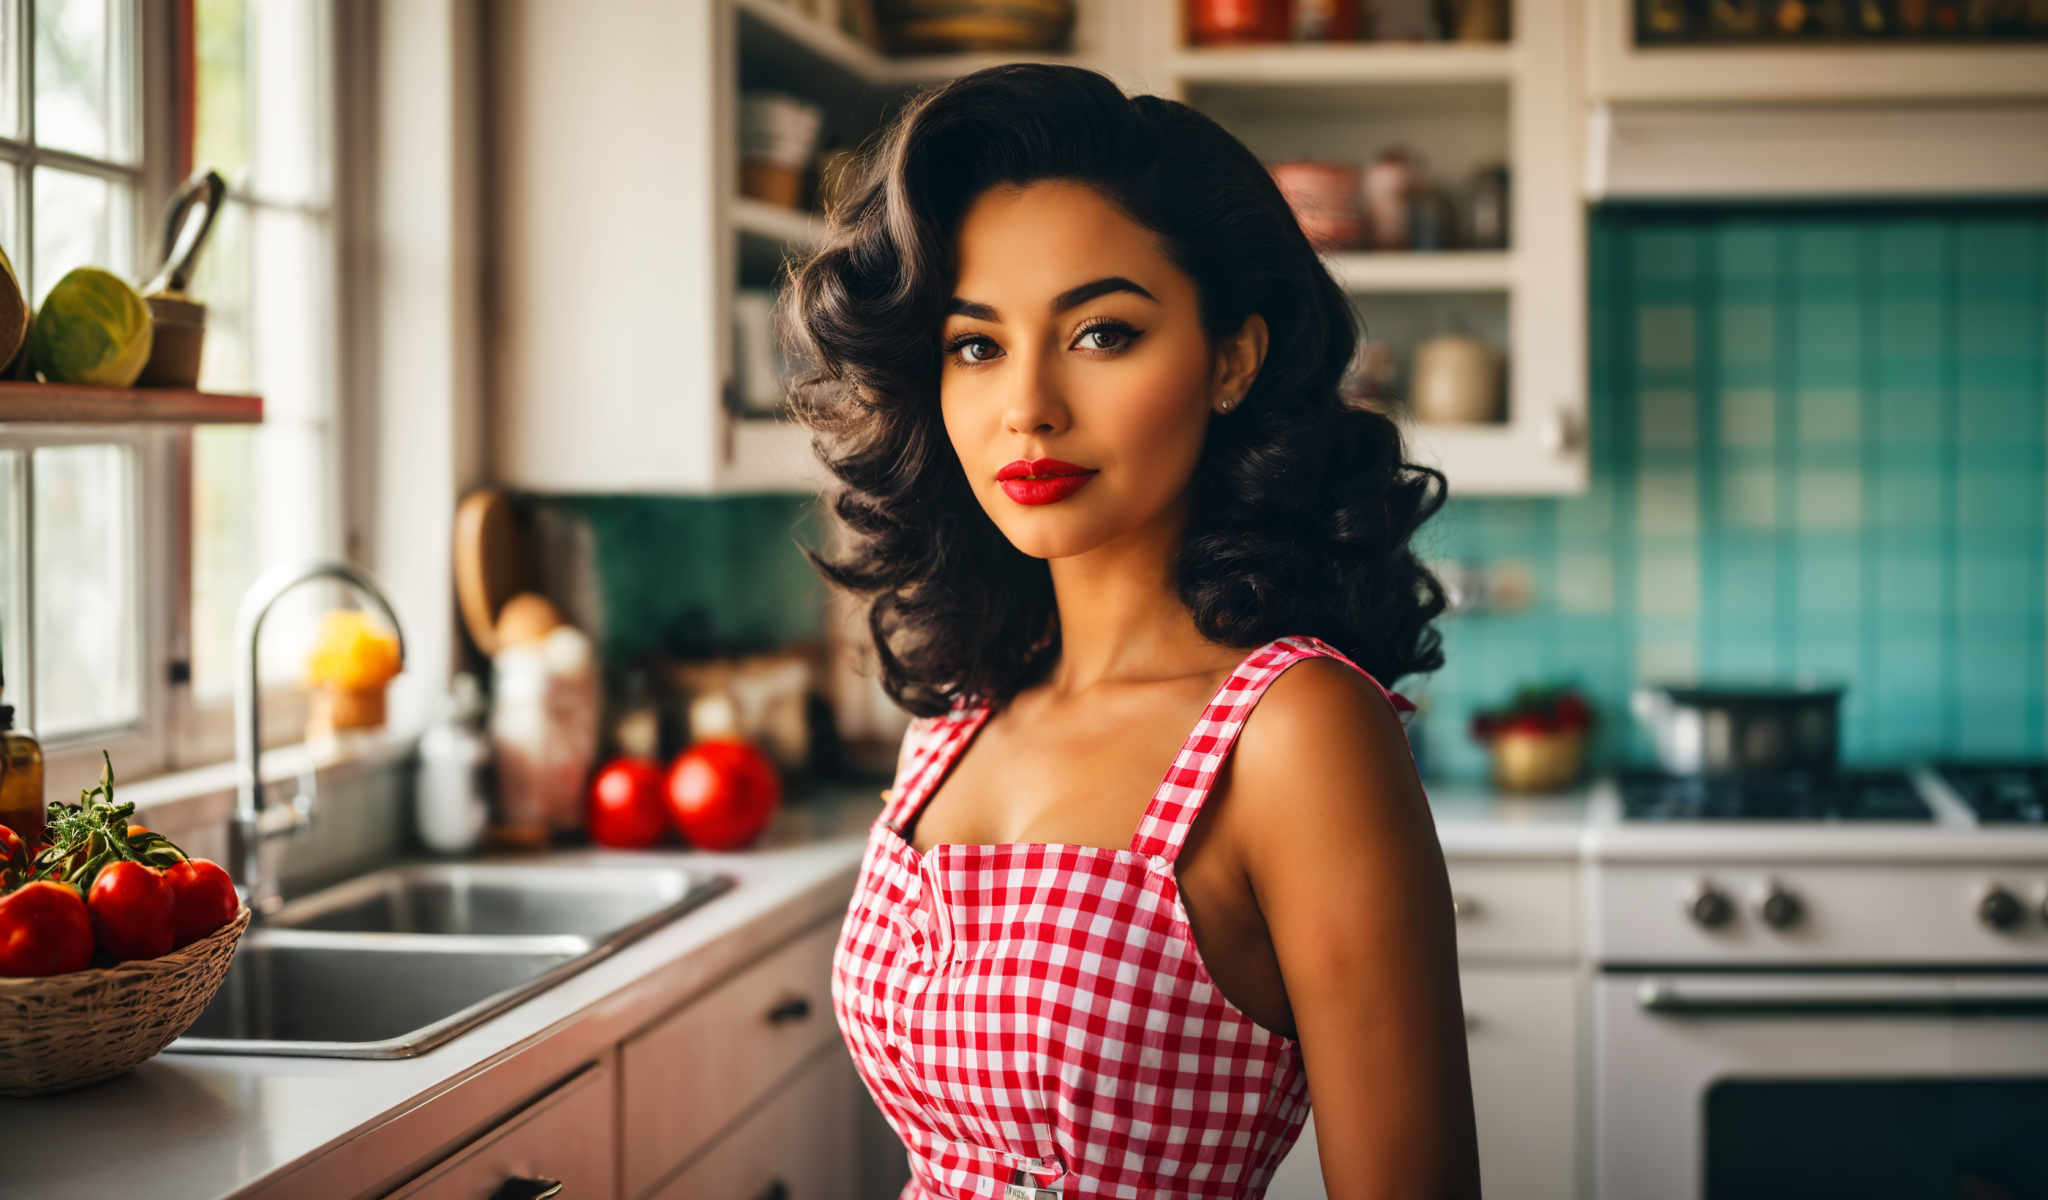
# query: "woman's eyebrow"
(1060, 303)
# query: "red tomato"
(44, 930)
(202, 899)
(625, 804)
(722, 792)
(12, 849)
(131, 910)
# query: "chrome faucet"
(253, 823)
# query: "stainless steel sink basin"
(501, 899)
(370, 998)
(396, 962)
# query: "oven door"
(1716, 1084)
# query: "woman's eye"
(960, 347)
(1119, 336)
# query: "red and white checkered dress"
(1037, 1014)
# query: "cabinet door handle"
(796, 1008)
(776, 1190)
(1465, 906)
(524, 1187)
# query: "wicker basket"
(62, 1031)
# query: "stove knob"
(1709, 906)
(1779, 908)
(1999, 908)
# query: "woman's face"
(1071, 336)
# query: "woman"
(1141, 893)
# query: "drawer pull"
(776, 1190)
(1465, 906)
(796, 1008)
(526, 1188)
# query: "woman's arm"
(1342, 854)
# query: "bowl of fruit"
(112, 941)
(1538, 739)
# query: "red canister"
(1223, 22)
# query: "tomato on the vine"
(131, 910)
(44, 930)
(202, 899)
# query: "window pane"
(81, 220)
(10, 221)
(10, 63)
(259, 497)
(221, 280)
(265, 495)
(13, 599)
(289, 83)
(263, 97)
(220, 136)
(86, 628)
(84, 61)
(292, 314)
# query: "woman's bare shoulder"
(1321, 744)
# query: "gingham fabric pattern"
(1037, 1013)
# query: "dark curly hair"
(1304, 506)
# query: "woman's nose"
(1035, 401)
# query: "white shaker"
(452, 793)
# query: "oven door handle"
(1979, 997)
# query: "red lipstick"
(1042, 480)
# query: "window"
(127, 550)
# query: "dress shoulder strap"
(927, 745)
(1179, 799)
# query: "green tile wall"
(1818, 453)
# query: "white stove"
(1821, 986)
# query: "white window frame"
(174, 729)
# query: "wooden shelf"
(83, 404)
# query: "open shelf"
(83, 404)
(1421, 271)
(774, 223)
(1365, 64)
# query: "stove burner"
(1868, 794)
(2001, 793)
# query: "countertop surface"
(207, 1126)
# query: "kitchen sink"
(494, 899)
(367, 998)
(398, 961)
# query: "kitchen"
(1726, 322)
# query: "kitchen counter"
(208, 1126)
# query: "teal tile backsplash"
(683, 576)
(1818, 454)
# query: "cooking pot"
(1714, 730)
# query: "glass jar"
(21, 781)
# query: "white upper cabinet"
(1724, 111)
(1460, 106)
(625, 255)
